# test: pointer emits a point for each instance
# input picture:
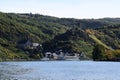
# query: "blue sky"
(64, 8)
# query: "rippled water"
(60, 70)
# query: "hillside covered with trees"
(66, 34)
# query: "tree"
(98, 52)
(109, 55)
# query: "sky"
(80, 9)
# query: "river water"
(60, 70)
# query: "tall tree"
(98, 52)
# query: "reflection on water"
(60, 70)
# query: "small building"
(61, 56)
(55, 56)
(72, 57)
(31, 45)
(28, 45)
(35, 45)
(82, 54)
(48, 55)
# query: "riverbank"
(22, 60)
(4, 60)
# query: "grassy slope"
(99, 41)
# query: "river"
(60, 70)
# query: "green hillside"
(110, 36)
(54, 34)
(72, 41)
(98, 41)
(15, 28)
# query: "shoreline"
(22, 60)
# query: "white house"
(55, 56)
(35, 45)
(72, 57)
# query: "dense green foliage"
(72, 41)
(110, 35)
(6, 54)
(55, 34)
(16, 28)
(98, 52)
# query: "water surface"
(60, 70)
